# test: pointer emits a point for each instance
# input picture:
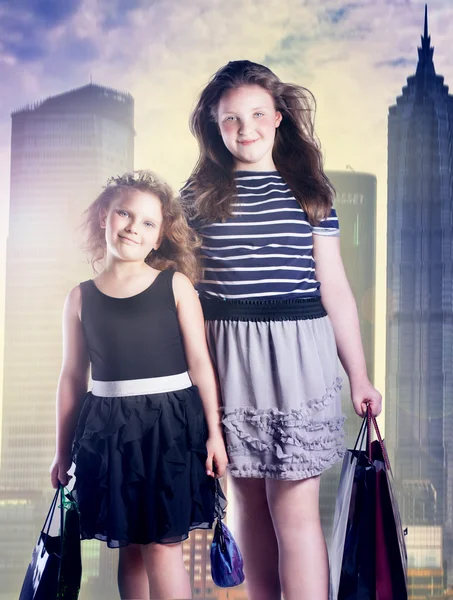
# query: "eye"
(229, 119)
(123, 213)
(259, 114)
(149, 224)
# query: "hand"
(59, 470)
(364, 394)
(217, 457)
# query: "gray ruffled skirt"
(281, 395)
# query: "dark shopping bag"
(55, 569)
(71, 559)
(368, 558)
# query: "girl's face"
(133, 226)
(247, 121)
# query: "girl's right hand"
(217, 460)
(59, 470)
(364, 395)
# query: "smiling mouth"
(247, 142)
(126, 239)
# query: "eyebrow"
(256, 108)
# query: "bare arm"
(337, 298)
(72, 386)
(201, 370)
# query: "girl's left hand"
(364, 394)
(217, 460)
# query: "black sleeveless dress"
(139, 454)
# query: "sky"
(354, 56)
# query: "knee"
(130, 555)
(250, 496)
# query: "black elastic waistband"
(218, 309)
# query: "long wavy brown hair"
(178, 244)
(296, 152)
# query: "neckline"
(254, 173)
(127, 297)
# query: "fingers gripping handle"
(372, 422)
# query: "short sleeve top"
(265, 249)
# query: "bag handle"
(62, 507)
(50, 516)
(217, 507)
(218, 511)
(371, 420)
(51, 513)
(360, 439)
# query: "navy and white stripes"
(264, 251)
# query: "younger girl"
(277, 307)
(148, 439)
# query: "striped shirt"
(265, 250)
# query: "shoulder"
(182, 286)
(73, 302)
(181, 282)
(75, 295)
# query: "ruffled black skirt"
(140, 468)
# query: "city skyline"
(168, 123)
(353, 57)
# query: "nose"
(131, 227)
(245, 126)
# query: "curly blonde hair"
(178, 248)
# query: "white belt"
(138, 387)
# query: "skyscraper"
(355, 203)
(419, 391)
(62, 150)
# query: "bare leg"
(256, 539)
(168, 578)
(132, 578)
(303, 565)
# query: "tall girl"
(147, 438)
(278, 311)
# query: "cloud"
(336, 15)
(117, 12)
(24, 25)
(355, 56)
(48, 12)
(397, 63)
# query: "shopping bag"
(391, 555)
(70, 573)
(41, 579)
(227, 566)
(47, 569)
(352, 561)
(367, 554)
(342, 509)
